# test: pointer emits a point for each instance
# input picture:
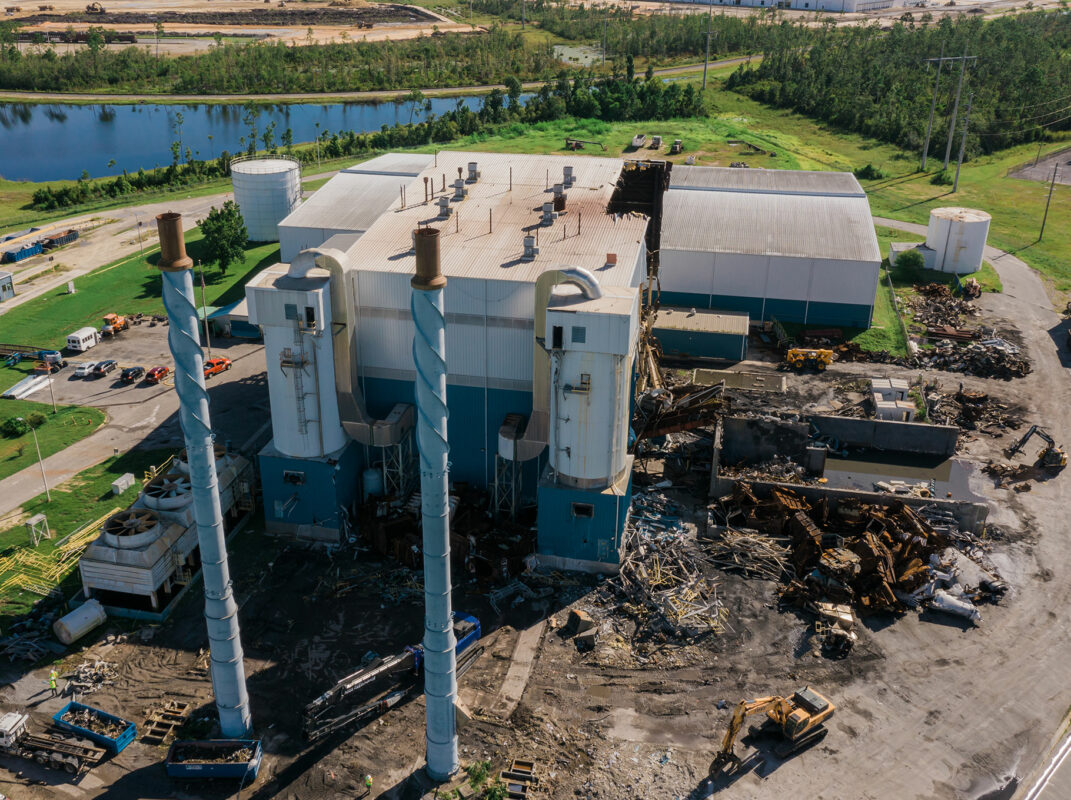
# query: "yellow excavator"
(1049, 457)
(800, 357)
(799, 719)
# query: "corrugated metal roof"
(348, 202)
(836, 228)
(702, 321)
(483, 238)
(766, 181)
(394, 164)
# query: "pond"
(42, 142)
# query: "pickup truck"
(47, 749)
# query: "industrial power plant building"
(798, 246)
(546, 260)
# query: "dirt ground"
(1043, 169)
(926, 707)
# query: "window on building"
(294, 478)
(310, 315)
(556, 337)
(579, 334)
(583, 510)
(290, 310)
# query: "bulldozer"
(1049, 457)
(800, 357)
(799, 719)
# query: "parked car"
(157, 374)
(132, 374)
(104, 367)
(214, 366)
(85, 369)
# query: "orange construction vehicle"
(798, 719)
(113, 323)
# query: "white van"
(82, 339)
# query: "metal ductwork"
(429, 357)
(221, 610)
(356, 421)
(536, 435)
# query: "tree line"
(427, 61)
(620, 98)
(879, 83)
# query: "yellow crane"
(799, 719)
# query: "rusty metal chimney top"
(173, 256)
(429, 274)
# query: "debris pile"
(972, 411)
(871, 558)
(91, 721)
(989, 358)
(89, 677)
(750, 553)
(218, 754)
(780, 469)
(935, 306)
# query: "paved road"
(310, 97)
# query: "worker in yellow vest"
(52, 676)
(368, 785)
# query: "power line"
(1047, 113)
(1026, 130)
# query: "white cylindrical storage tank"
(589, 417)
(78, 623)
(957, 236)
(266, 190)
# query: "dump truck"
(47, 749)
(234, 759)
(113, 323)
(799, 720)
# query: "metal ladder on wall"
(294, 358)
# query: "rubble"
(90, 677)
(750, 553)
(235, 755)
(934, 305)
(91, 721)
(781, 469)
(870, 558)
(990, 358)
(972, 411)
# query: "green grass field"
(62, 429)
(83, 499)
(127, 286)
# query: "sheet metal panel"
(790, 278)
(394, 164)
(686, 271)
(845, 282)
(776, 181)
(509, 355)
(807, 226)
(741, 275)
(349, 202)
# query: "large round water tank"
(957, 237)
(266, 190)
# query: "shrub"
(868, 173)
(13, 427)
(941, 178)
(36, 419)
(909, 265)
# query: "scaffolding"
(507, 489)
(399, 461)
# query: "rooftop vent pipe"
(444, 206)
(474, 173)
(459, 189)
(429, 357)
(567, 176)
(548, 214)
(221, 611)
(530, 249)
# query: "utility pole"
(706, 61)
(1052, 184)
(963, 141)
(204, 308)
(604, 41)
(933, 106)
(524, 15)
(955, 106)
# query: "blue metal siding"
(475, 415)
(786, 310)
(856, 316)
(326, 486)
(814, 313)
(729, 302)
(697, 344)
(684, 299)
(598, 538)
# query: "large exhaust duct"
(358, 425)
(429, 356)
(221, 612)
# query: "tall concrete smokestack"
(429, 356)
(221, 612)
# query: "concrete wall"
(902, 437)
(754, 440)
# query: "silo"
(266, 190)
(957, 236)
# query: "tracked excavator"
(799, 719)
(1049, 457)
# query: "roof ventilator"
(474, 173)
(459, 186)
(567, 176)
(444, 206)
(530, 249)
(549, 214)
(559, 197)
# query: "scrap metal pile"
(218, 755)
(91, 721)
(989, 358)
(89, 677)
(972, 411)
(662, 580)
(934, 306)
(872, 558)
(780, 469)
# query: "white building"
(798, 246)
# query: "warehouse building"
(798, 246)
(350, 202)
